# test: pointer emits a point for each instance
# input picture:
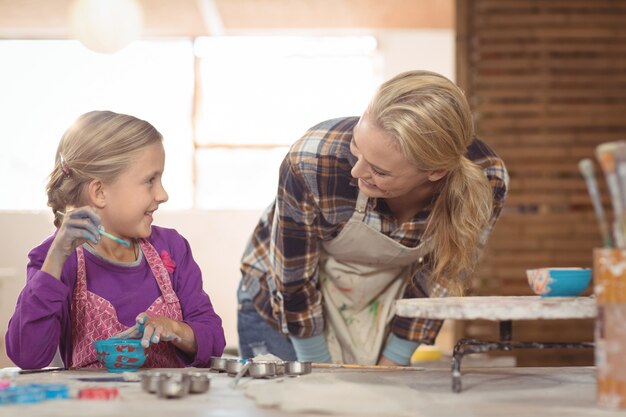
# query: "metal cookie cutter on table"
(262, 369)
(175, 385)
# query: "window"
(259, 95)
(228, 107)
(46, 85)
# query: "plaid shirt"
(316, 198)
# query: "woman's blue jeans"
(256, 336)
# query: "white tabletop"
(490, 392)
(498, 308)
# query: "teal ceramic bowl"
(121, 355)
(559, 282)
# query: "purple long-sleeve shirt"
(41, 321)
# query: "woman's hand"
(78, 226)
(162, 329)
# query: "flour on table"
(267, 357)
(327, 394)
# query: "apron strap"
(80, 287)
(361, 205)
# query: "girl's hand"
(151, 330)
(78, 226)
(157, 329)
(162, 329)
(132, 332)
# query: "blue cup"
(559, 282)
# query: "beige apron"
(362, 273)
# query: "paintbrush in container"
(605, 153)
(586, 169)
(105, 233)
(620, 168)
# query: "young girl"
(140, 281)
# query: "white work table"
(509, 392)
(499, 308)
(503, 309)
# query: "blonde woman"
(395, 204)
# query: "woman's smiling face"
(381, 169)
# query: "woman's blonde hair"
(99, 145)
(431, 120)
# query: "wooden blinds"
(547, 83)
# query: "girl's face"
(382, 169)
(135, 195)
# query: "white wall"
(22, 231)
(403, 50)
(216, 238)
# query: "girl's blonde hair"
(99, 145)
(431, 120)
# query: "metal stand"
(467, 346)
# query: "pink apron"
(94, 318)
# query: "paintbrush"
(37, 371)
(586, 169)
(605, 153)
(323, 365)
(105, 233)
(620, 168)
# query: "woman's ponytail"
(459, 217)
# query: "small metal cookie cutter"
(234, 366)
(262, 369)
(218, 364)
(280, 368)
(199, 382)
(150, 380)
(174, 386)
(297, 368)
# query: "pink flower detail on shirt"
(168, 262)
